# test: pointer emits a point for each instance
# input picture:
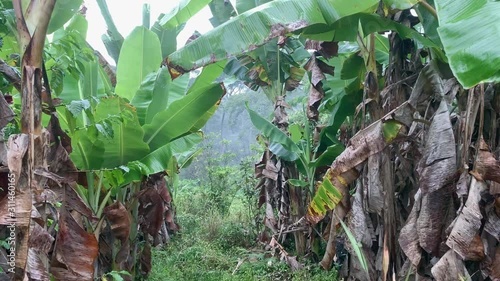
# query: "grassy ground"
(211, 245)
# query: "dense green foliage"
(382, 143)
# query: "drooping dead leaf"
(145, 260)
(40, 243)
(40, 240)
(360, 225)
(429, 86)
(432, 219)
(75, 250)
(365, 143)
(150, 211)
(374, 187)
(267, 171)
(486, 166)
(450, 268)
(438, 164)
(280, 118)
(495, 189)
(492, 225)
(436, 170)
(35, 267)
(6, 113)
(362, 229)
(119, 220)
(408, 237)
(18, 145)
(73, 201)
(371, 140)
(316, 94)
(467, 223)
(326, 49)
(495, 265)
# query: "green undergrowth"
(216, 207)
(214, 251)
(210, 246)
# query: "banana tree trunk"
(29, 154)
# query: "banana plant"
(342, 97)
(119, 135)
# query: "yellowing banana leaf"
(469, 33)
(257, 26)
(373, 139)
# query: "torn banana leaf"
(365, 143)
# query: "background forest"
(296, 140)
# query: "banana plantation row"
(398, 157)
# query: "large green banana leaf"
(79, 94)
(245, 5)
(400, 4)
(469, 32)
(112, 40)
(259, 25)
(157, 92)
(116, 134)
(281, 144)
(159, 159)
(346, 29)
(78, 24)
(87, 151)
(167, 37)
(183, 12)
(222, 11)
(127, 143)
(63, 11)
(209, 74)
(429, 22)
(178, 119)
(159, 102)
(139, 56)
(142, 99)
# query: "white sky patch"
(127, 14)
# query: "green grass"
(210, 245)
(188, 259)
